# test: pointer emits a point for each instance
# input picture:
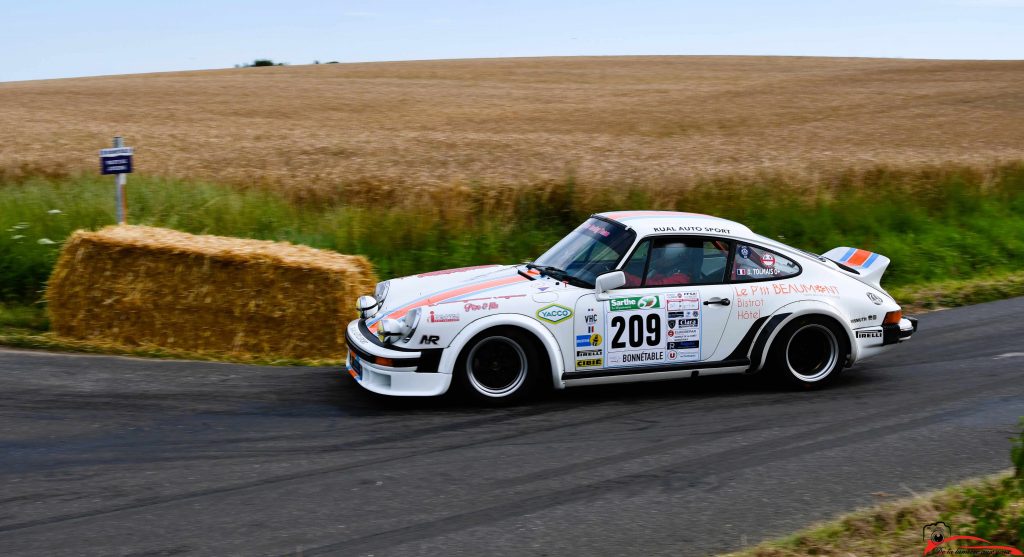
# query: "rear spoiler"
(867, 266)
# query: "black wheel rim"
(496, 366)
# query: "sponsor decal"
(713, 229)
(770, 271)
(589, 353)
(863, 319)
(592, 362)
(745, 252)
(483, 306)
(808, 289)
(939, 540)
(768, 260)
(554, 313)
(671, 354)
(869, 334)
(634, 303)
(643, 357)
(429, 339)
(583, 341)
(598, 230)
(434, 317)
(875, 298)
(685, 345)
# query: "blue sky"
(46, 38)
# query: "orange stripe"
(859, 257)
(399, 313)
(353, 373)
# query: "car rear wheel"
(498, 366)
(809, 352)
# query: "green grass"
(936, 224)
(991, 508)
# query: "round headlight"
(389, 330)
(367, 306)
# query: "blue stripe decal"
(846, 256)
(870, 260)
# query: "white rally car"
(627, 296)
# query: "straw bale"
(141, 285)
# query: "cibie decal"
(875, 298)
(554, 313)
(634, 303)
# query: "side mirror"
(608, 281)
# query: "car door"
(673, 309)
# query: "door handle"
(721, 301)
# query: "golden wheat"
(648, 121)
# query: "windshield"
(594, 248)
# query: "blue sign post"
(118, 161)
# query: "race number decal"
(653, 330)
(635, 331)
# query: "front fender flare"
(547, 340)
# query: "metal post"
(119, 181)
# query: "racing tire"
(499, 366)
(809, 353)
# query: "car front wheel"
(498, 366)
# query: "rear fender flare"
(766, 337)
(542, 334)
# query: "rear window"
(754, 263)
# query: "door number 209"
(642, 332)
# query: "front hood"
(453, 284)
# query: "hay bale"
(135, 285)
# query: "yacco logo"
(554, 313)
(633, 303)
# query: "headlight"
(412, 320)
(389, 330)
(367, 306)
(381, 291)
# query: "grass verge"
(991, 508)
(955, 234)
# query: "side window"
(634, 267)
(754, 263)
(683, 261)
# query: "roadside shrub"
(998, 508)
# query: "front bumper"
(391, 371)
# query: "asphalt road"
(121, 456)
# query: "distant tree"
(262, 62)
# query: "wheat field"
(606, 121)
